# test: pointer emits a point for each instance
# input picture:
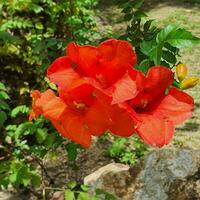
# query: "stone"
(113, 177)
(163, 174)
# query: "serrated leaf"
(177, 37)
(25, 129)
(182, 39)
(163, 35)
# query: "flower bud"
(189, 83)
(181, 71)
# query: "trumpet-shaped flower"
(157, 106)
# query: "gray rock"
(162, 169)
(113, 177)
(164, 174)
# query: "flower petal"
(51, 107)
(155, 130)
(61, 72)
(102, 116)
(84, 58)
(118, 51)
(177, 106)
(124, 89)
(159, 78)
(71, 126)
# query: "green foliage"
(4, 107)
(127, 150)
(24, 144)
(72, 150)
(34, 33)
(154, 46)
(82, 193)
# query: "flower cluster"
(99, 90)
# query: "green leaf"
(35, 180)
(4, 95)
(27, 128)
(182, 39)
(83, 196)
(7, 37)
(143, 66)
(85, 188)
(2, 87)
(71, 149)
(41, 135)
(38, 26)
(71, 184)
(3, 118)
(163, 35)
(4, 105)
(107, 195)
(177, 37)
(147, 25)
(69, 195)
(19, 109)
(169, 57)
(138, 4)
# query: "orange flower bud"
(189, 83)
(181, 71)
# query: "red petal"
(79, 91)
(51, 106)
(124, 89)
(61, 73)
(85, 58)
(102, 116)
(71, 126)
(159, 78)
(118, 51)
(106, 63)
(177, 106)
(155, 130)
(117, 57)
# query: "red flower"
(105, 67)
(158, 107)
(82, 111)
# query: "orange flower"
(157, 107)
(81, 112)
